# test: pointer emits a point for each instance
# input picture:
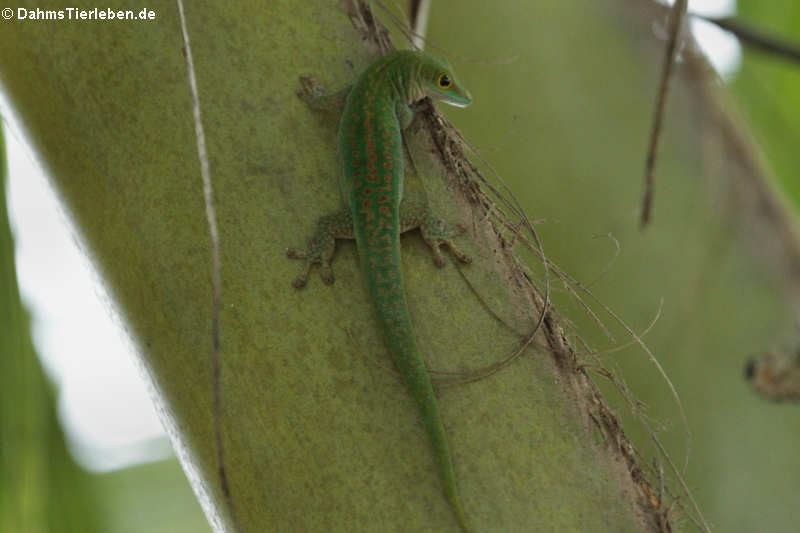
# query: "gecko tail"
(385, 283)
(409, 361)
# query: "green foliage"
(150, 498)
(321, 434)
(566, 125)
(42, 490)
(313, 414)
(768, 88)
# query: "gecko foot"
(314, 95)
(310, 90)
(321, 246)
(314, 256)
(437, 234)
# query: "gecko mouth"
(462, 101)
(455, 103)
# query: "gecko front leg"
(316, 97)
(322, 245)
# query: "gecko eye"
(444, 81)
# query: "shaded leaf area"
(566, 125)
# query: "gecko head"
(440, 82)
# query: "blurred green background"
(566, 125)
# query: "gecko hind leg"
(322, 246)
(435, 231)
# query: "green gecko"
(372, 169)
